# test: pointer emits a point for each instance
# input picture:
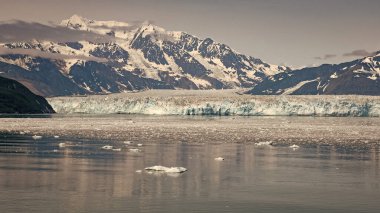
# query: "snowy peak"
(76, 22)
(359, 77)
(80, 23)
(135, 56)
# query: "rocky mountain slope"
(130, 57)
(16, 98)
(359, 77)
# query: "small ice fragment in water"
(138, 171)
(107, 147)
(294, 146)
(61, 145)
(134, 150)
(56, 136)
(219, 159)
(166, 169)
(36, 137)
(265, 143)
(128, 142)
(55, 150)
(117, 150)
(22, 133)
(140, 144)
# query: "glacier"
(217, 102)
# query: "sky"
(295, 33)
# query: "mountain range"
(359, 77)
(128, 57)
(101, 57)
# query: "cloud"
(326, 57)
(359, 53)
(56, 56)
(20, 31)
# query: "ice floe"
(107, 147)
(36, 137)
(166, 169)
(264, 143)
(294, 146)
(219, 159)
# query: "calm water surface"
(38, 176)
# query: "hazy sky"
(290, 32)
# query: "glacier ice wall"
(223, 103)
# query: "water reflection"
(84, 178)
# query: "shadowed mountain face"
(16, 98)
(129, 57)
(359, 77)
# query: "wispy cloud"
(55, 56)
(359, 53)
(326, 57)
(20, 31)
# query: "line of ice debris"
(222, 103)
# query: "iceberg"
(217, 102)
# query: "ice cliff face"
(130, 57)
(221, 103)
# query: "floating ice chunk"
(128, 142)
(107, 147)
(56, 136)
(22, 133)
(265, 143)
(117, 150)
(134, 150)
(219, 159)
(61, 145)
(138, 171)
(166, 169)
(36, 137)
(139, 145)
(294, 146)
(55, 150)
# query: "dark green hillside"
(16, 98)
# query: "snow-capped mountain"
(135, 56)
(359, 77)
